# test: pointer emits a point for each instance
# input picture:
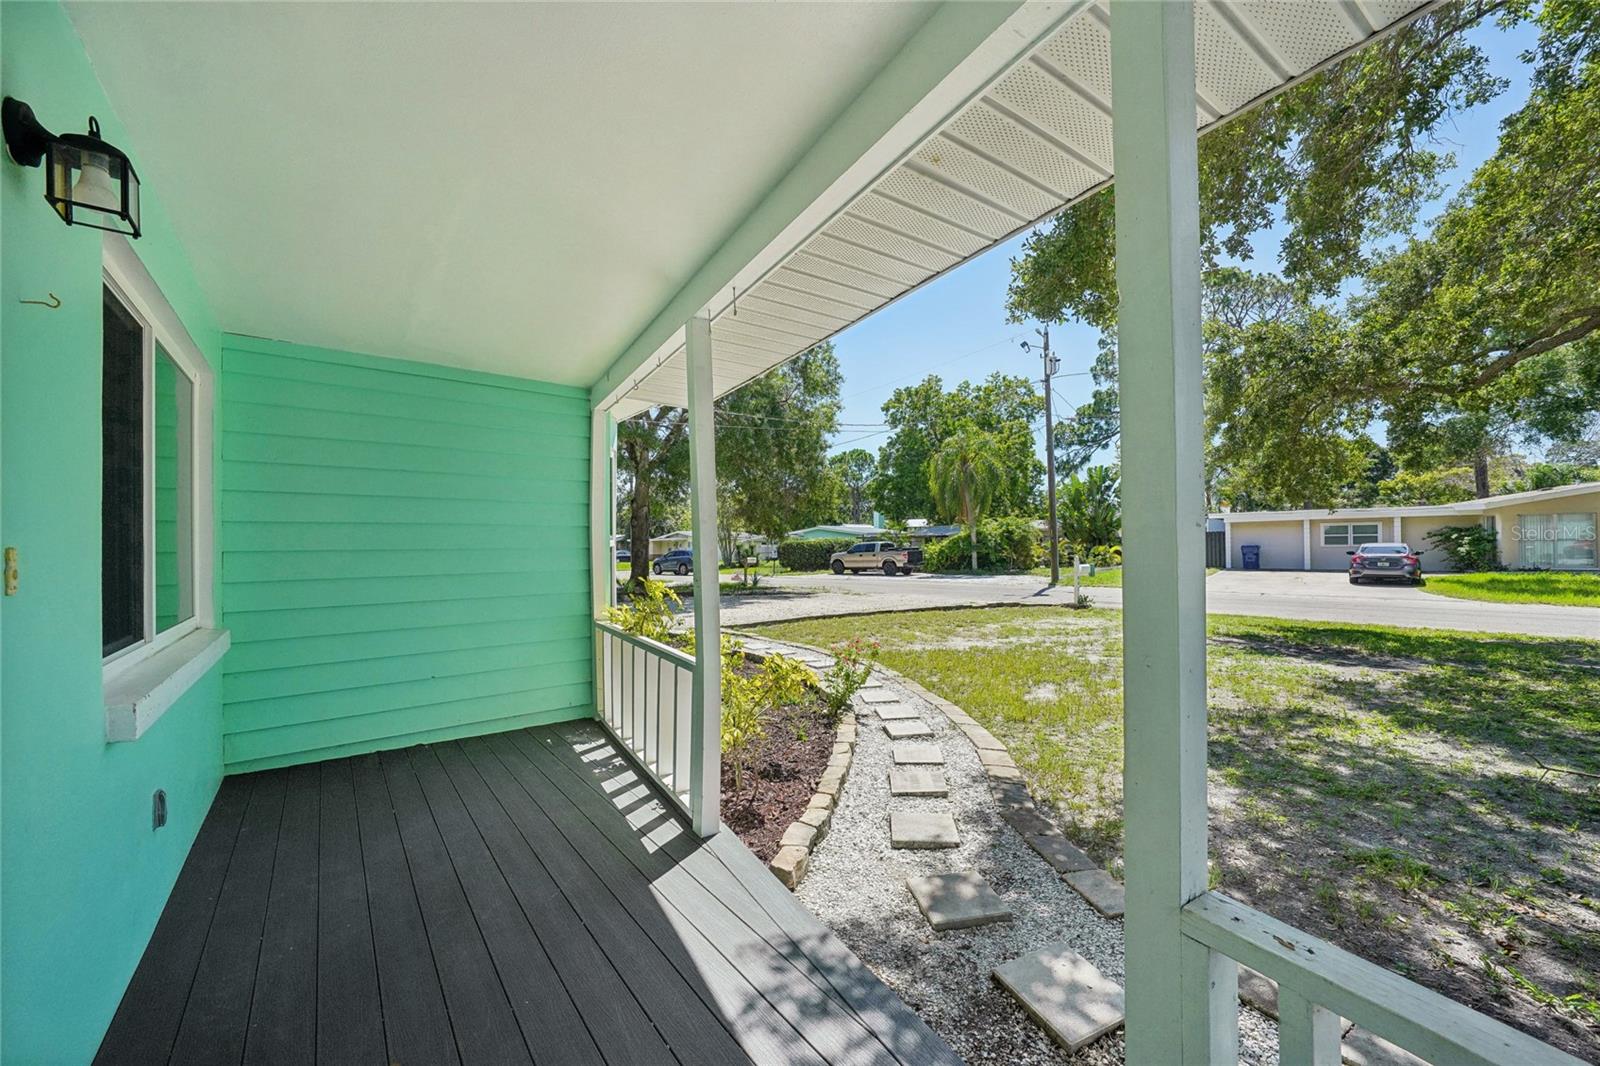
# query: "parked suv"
(876, 555)
(679, 561)
(1390, 562)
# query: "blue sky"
(956, 326)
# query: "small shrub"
(1007, 543)
(744, 722)
(796, 554)
(1468, 548)
(852, 665)
(648, 612)
(783, 681)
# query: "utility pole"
(1051, 365)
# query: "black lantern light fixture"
(87, 181)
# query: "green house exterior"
(408, 508)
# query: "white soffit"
(1037, 141)
(510, 187)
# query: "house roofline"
(1443, 510)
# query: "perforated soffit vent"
(1037, 141)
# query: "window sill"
(138, 696)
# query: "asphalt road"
(1319, 597)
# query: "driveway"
(1316, 597)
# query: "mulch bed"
(782, 776)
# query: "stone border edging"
(793, 858)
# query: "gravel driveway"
(857, 886)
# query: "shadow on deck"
(512, 898)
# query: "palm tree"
(1090, 515)
(964, 475)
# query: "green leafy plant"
(783, 681)
(744, 722)
(1006, 543)
(1467, 548)
(852, 665)
(648, 612)
(1089, 515)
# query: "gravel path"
(857, 885)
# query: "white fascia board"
(1443, 510)
(961, 50)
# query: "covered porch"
(519, 897)
(393, 788)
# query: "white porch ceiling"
(1037, 140)
(507, 187)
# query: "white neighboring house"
(1546, 529)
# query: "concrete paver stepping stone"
(917, 781)
(1104, 892)
(957, 900)
(878, 696)
(895, 712)
(1059, 852)
(905, 730)
(923, 829)
(1064, 992)
(914, 754)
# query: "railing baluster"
(1308, 1035)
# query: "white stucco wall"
(1280, 544)
(1587, 503)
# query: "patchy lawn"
(1545, 586)
(1109, 577)
(1404, 793)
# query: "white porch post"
(1397, 527)
(1227, 544)
(1181, 998)
(705, 737)
(1305, 543)
(602, 509)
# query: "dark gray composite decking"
(512, 898)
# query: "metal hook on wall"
(52, 303)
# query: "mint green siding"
(403, 553)
(83, 876)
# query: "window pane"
(1334, 535)
(174, 421)
(1364, 534)
(1575, 540)
(121, 478)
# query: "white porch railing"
(644, 697)
(1318, 984)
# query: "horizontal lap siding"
(404, 553)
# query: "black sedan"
(1385, 562)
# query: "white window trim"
(141, 681)
(1328, 527)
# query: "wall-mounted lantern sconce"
(87, 181)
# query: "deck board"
(349, 1015)
(521, 897)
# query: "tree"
(772, 436)
(964, 476)
(855, 469)
(924, 416)
(1090, 513)
(772, 445)
(652, 450)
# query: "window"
(1559, 541)
(155, 500)
(1349, 534)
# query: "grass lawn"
(1104, 578)
(1544, 586)
(1379, 787)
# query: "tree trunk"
(972, 525)
(639, 526)
(1480, 475)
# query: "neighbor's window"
(1350, 534)
(1559, 541)
(147, 499)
